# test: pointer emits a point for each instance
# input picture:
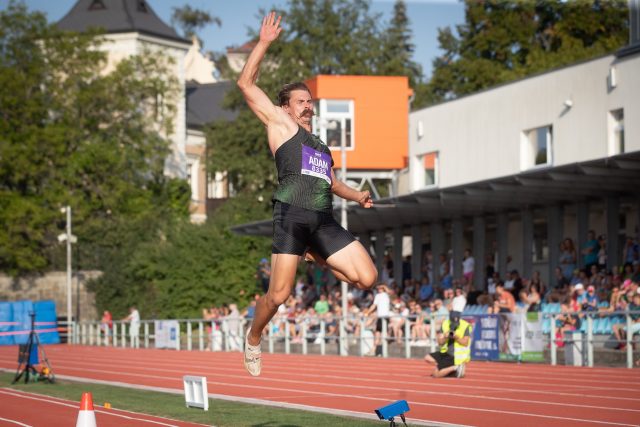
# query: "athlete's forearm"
(341, 189)
(249, 74)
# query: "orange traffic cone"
(86, 416)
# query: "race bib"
(316, 163)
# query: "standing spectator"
(468, 266)
(590, 250)
(106, 324)
(381, 304)
(631, 252)
(134, 326)
(567, 258)
(602, 252)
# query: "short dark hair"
(285, 93)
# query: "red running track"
(492, 394)
(19, 408)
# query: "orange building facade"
(371, 114)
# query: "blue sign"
(484, 345)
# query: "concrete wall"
(479, 136)
(53, 286)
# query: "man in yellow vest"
(454, 340)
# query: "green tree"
(190, 20)
(502, 41)
(72, 135)
(398, 48)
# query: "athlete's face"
(300, 107)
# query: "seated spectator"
(568, 320)
(459, 302)
(399, 315)
(532, 298)
(426, 291)
(322, 305)
(620, 330)
(419, 322)
(448, 295)
(589, 300)
(505, 302)
(441, 313)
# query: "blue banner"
(484, 345)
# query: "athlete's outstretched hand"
(365, 199)
(270, 29)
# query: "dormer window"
(97, 5)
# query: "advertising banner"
(167, 334)
(484, 343)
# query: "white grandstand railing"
(193, 334)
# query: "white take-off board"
(195, 392)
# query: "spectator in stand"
(588, 300)
(536, 280)
(631, 252)
(441, 313)
(568, 320)
(561, 281)
(491, 283)
(443, 268)
(567, 258)
(532, 297)
(615, 302)
(419, 325)
(448, 295)
(106, 325)
(381, 305)
(590, 250)
(459, 301)
(322, 306)
(620, 330)
(426, 291)
(409, 292)
(468, 266)
(399, 315)
(505, 302)
(602, 252)
(513, 283)
(579, 276)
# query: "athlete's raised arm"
(257, 100)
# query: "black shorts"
(296, 229)
(444, 360)
(379, 325)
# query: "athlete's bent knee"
(367, 279)
(276, 298)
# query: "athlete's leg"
(283, 274)
(354, 264)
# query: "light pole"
(343, 222)
(69, 238)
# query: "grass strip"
(221, 412)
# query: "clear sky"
(238, 15)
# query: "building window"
(536, 147)
(335, 122)
(430, 163)
(616, 132)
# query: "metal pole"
(553, 341)
(68, 212)
(343, 222)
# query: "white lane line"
(277, 389)
(613, 385)
(15, 422)
(54, 402)
(369, 387)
